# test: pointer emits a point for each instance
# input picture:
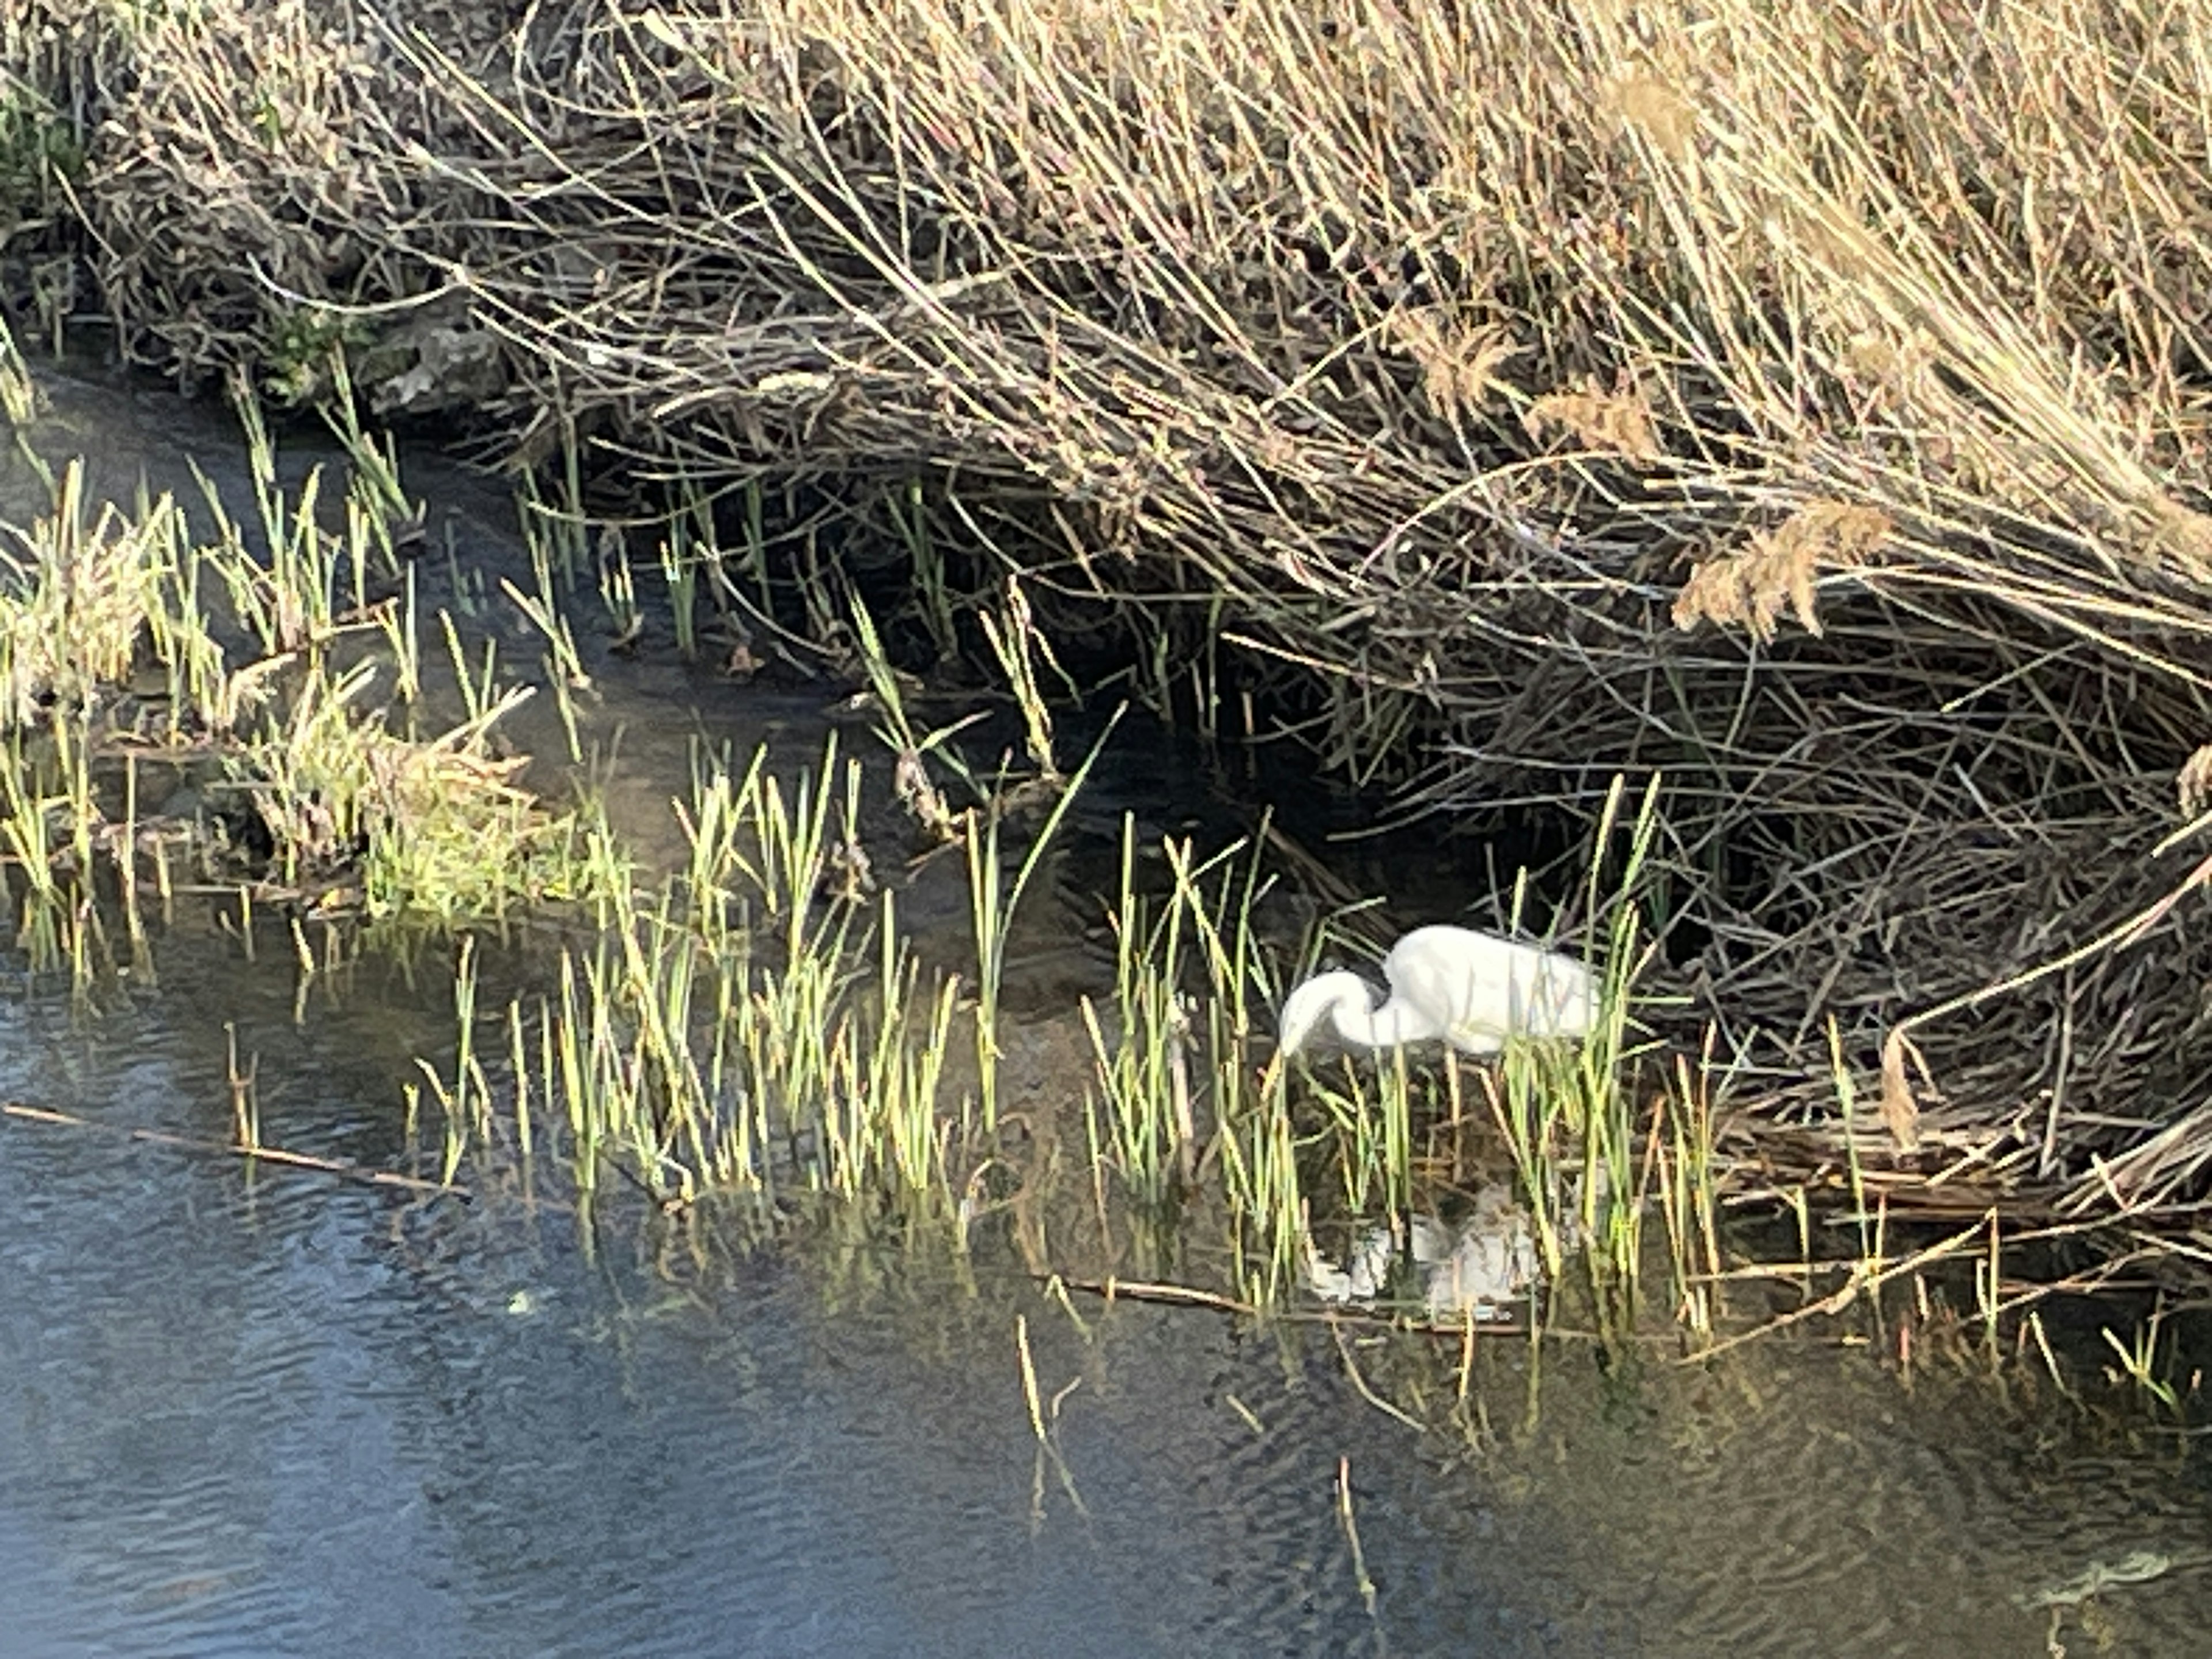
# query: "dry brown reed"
(1806, 403)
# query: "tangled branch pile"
(1807, 402)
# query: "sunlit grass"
(758, 1022)
(119, 630)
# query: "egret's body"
(1472, 990)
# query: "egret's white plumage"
(1473, 990)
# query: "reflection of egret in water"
(1474, 990)
(1469, 1270)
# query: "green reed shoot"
(1017, 643)
(72, 741)
(910, 519)
(1143, 1086)
(1264, 1197)
(916, 790)
(753, 550)
(290, 603)
(465, 1102)
(19, 392)
(1612, 1192)
(618, 589)
(992, 904)
(19, 402)
(396, 620)
(2140, 1362)
(713, 821)
(1686, 1182)
(563, 529)
(373, 486)
(468, 1074)
(1369, 1112)
(245, 1093)
(479, 689)
(25, 826)
(567, 1048)
(542, 609)
(1222, 926)
(795, 846)
(682, 575)
(518, 1061)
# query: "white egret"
(1473, 990)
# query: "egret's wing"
(1480, 989)
(1551, 995)
(1437, 976)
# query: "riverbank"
(1502, 408)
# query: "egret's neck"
(1359, 1020)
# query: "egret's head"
(1307, 1004)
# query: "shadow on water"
(251, 1410)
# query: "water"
(256, 1411)
(248, 1411)
(647, 714)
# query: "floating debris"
(2136, 1567)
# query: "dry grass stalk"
(1612, 423)
(1901, 1108)
(1748, 588)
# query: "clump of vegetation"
(436, 828)
(40, 150)
(1506, 402)
(126, 638)
(301, 347)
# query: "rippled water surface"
(262, 1412)
(250, 1411)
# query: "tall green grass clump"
(1175, 1035)
(260, 676)
(1583, 1151)
(755, 1024)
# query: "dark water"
(255, 1411)
(252, 1411)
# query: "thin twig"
(329, 1166)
